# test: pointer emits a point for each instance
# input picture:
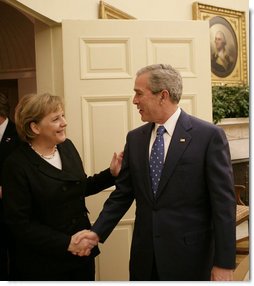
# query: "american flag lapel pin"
(182, 140)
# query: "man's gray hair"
(164, 77)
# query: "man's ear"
(164, 95)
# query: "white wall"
(58, 10)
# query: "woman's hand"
(83, 242)
(116, 164)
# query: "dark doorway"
(10, 88)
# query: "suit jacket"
(44, 206)
(190, 225)
(9, 142)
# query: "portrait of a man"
(223, 47)
(220, 59)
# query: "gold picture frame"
(227, 43)
(107, 11)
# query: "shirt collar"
(171, 122)
(3, 127)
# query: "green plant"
(230, 102)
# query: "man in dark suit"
(8, 142)
(185, 226)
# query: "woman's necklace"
(44, 156)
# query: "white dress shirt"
(3, 127)
(169, 125)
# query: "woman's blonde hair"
(33, 108)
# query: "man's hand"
(221, 274)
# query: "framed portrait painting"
(227, 43)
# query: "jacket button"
(64, 188)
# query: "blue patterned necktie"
(157, 158)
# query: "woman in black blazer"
(44, 186)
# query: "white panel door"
(100, 60)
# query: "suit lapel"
(71, 166)
(9, 134)
(143, 157)
(179, 142)
(51, 171)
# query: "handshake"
(83, 242)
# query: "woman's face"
(51, 129)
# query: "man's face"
(219, 42)
(147, 103)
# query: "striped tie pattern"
(157, 159)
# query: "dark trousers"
(154, 274)
(4, 257)
(84, 271)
